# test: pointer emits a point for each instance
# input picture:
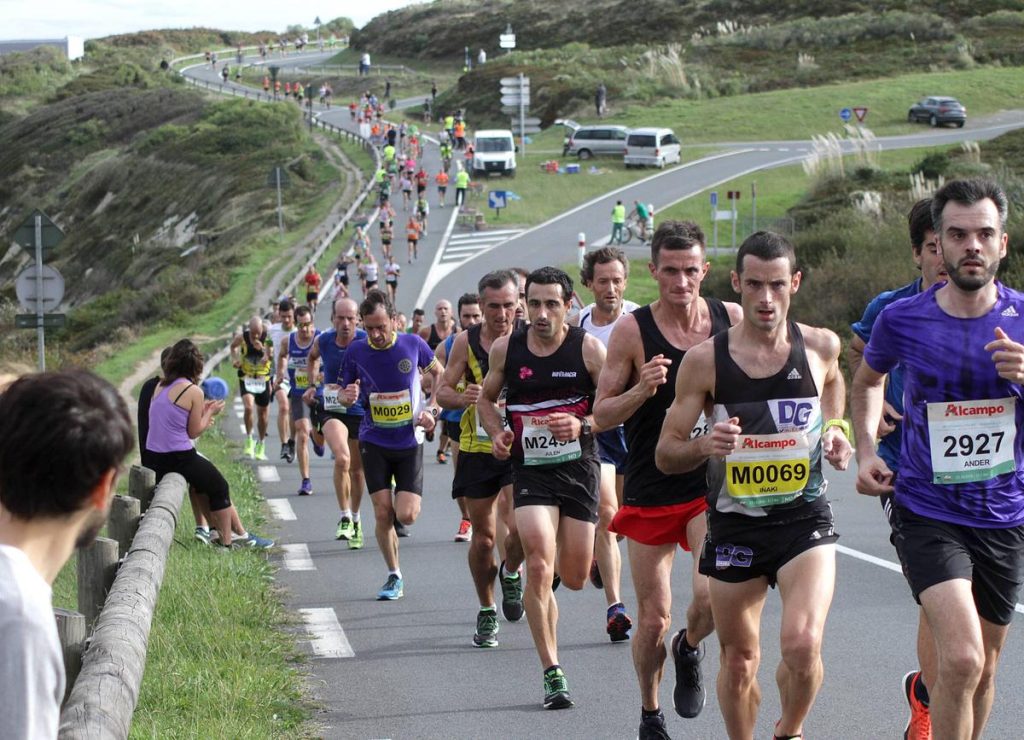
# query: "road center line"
(296, 557)
(889, 565)
(281, 509)
(328, 637)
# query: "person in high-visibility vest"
(461, 183)
(460, 135)
(618, 222)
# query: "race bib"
(971, 440)
(256, 386)
(768, 469)
(332, 401)
(301, 378)
(701, 428)
(391, 409)
(540, 446)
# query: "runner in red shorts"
(661, 511)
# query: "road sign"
(497, 199)
(515, 99)
(733, 195)
(507, 41)
(845, 114)
(529, 121)
(513, 110)
(714, 198)
(514, 80)
(25, 286)
(526, 130)
(723, 215)
(272, 177)
(25, 235)
(516, 88)
(30, 320)
(861, 113)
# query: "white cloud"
(95, 18)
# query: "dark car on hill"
(938, 111)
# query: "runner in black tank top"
(645, 485)
(661, 513)
(551, 371)
(767, 383)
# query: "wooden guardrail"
(104, 693)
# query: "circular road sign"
(846, 114)
(53, 288)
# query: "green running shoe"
(250, 447)
(344, 531)
(486, 629)
(355, 540)
(556, 689)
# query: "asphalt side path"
(407, 669)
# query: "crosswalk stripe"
(328, 637)
(296, 557)
(282, 509)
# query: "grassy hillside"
(138, 169)
(691, 50)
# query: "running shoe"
(290, 456)
(318, 450)
(260, 452)
(400, 529)
(284, 452)
(465, 533)
(511, 594)
(919, 726)
(392, 589)
(486, 629)
(306, 489)
(652, 727)
(777, 736)
(203, 535)
(689, 696)
(595, 574)
(619, 623)
(252, 541)
(556, 689)
(344, 530)
(442, 458)
(355, 541)
(250, 447)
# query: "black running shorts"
(570, 486)
(381, 464)
(932, 552)
(262, 399)
(480, 475)
(740, 548)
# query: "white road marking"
(241, 428)
(268, 474)
(282, 509)
(889, 565)
(328, 637)
(296, 557)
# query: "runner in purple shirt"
(383, 374)
(958, 514)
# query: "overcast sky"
(24, 19)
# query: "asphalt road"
(407, 669)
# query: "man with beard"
(48, 511)
(958, 506)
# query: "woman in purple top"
(178, 414)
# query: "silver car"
(593, 141)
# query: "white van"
(494, 151)
(651, 147)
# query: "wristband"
(841, 423)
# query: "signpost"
(278, 178)
(497, 200)
(861, 112)
(507, 40)
(845, 114)
(515, 99)
(42, 235)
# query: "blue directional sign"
(714, 198)
(497, 199)
(846, 114)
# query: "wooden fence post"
(141, 485)
(125, 513)
(71, 630)
(97, 566)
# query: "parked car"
(937, 111)
(651, 147)
(592, 141)
(494, 151)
